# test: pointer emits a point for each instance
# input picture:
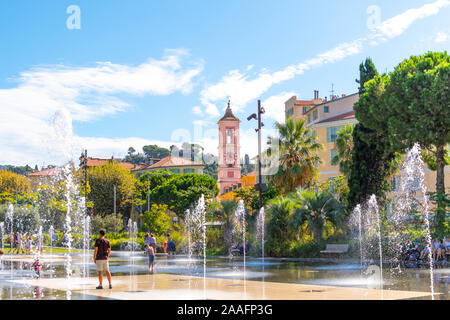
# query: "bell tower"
(229, 166)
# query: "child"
(151, 258)
(37, 267)
(28, 245)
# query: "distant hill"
(23, 170)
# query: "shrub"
(110, 223)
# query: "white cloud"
(442, 37)
(81, 94)
(244, 88)
(274, 106)
(398, 24)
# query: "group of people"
(23, 242)
(440, 250)
(150, 248)
(102, 252)
(239, 249)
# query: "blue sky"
(144, 71)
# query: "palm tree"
(279, 213)
(298, 156)
(225, 212)
(317, 209)
(344, 146)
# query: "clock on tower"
(229, 169)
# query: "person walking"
(153, 242)
(101, 255)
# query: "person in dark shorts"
(171, 246)
(101, 255)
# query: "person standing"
(151, 258)
(11, 243)
(171, 246)
(147, 239)
(153, 242)
(19, 242)
(101, 255)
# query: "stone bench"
(336, 248)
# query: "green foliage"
(367, 71)
(26, 218)
(344, 146)
(109, 222)
(441, 204)
(429, 157)
(337, 186)
(411, 105)
(372, 159)
(317, 209)
(153, 151)
(13, 183)
(178, 191)
(224, 212)
(370, 171)
(22, 170)
(297, 156)
(102, 180)
(156, 220)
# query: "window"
(333, 153)
(188, 171)
(229, 136)
(309, 118)
(176, 171)
(326, 109)
(289, 113)
(332, 133)
(396, 183)
(315, 115)
(304, 110)
(230, 174)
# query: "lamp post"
(260, 125)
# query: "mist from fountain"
(239, 215)
(413, 183)
(260, 226)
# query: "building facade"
(229, 166)
(326, 118)
(173, 164)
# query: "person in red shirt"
(101, 255)
(37, 267)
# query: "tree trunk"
(440, 187)
(440, 190)
(317, 235)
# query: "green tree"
(225, 213)
(417, 106)
(367, 71)
(344, 146)
(156, 220)
(316, 209)
(372, 160)
(102, 180)
(13, 183)
(298, 156)
(153, 151)
(280, 228)
(133, 157)
(178, 191)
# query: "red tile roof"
(174, 162)
(48, 172)
(95, 162)
(339, 117)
